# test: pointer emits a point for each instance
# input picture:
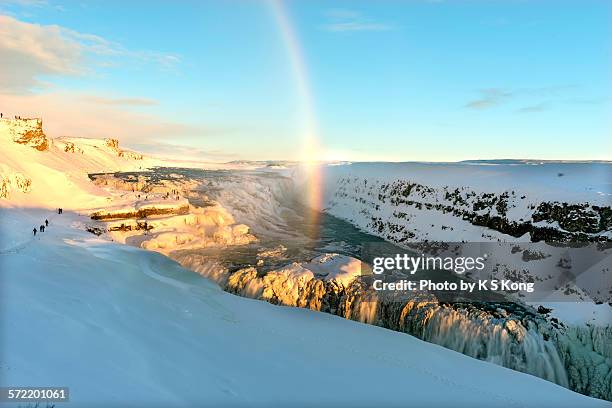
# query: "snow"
(339, 268)
(120, 325)
(580, 313)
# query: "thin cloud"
(111, 119)
(533, 108)
(489, 98)
(341, 20)
(29, 51)
(493, 97)
(120, 101)
(589, 101)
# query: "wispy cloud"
(102, 100)
(29, 51)
(489, 98)
(589, 101)
(95, 119)
(534, 108)
(341, 20)
(492, 97)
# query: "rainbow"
(309, 132)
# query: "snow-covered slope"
(56, 176)
(123, 326)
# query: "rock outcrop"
(16, 181)
(143, 210)
(70, 147)
(26, 131)
(113, 144)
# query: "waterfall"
(505, 334)
(504, 341)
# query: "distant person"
(1, 114)
(34, 231)
(46, 223)
(42, 228)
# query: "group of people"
(42, 227)
(174, 193)
(2, 115)
(46, 224)
(168, 196)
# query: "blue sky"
(390, 80)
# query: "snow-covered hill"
(56, 175)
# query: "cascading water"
(505, 341)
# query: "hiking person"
(46, 223)
(42, 228)
(34, 231)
